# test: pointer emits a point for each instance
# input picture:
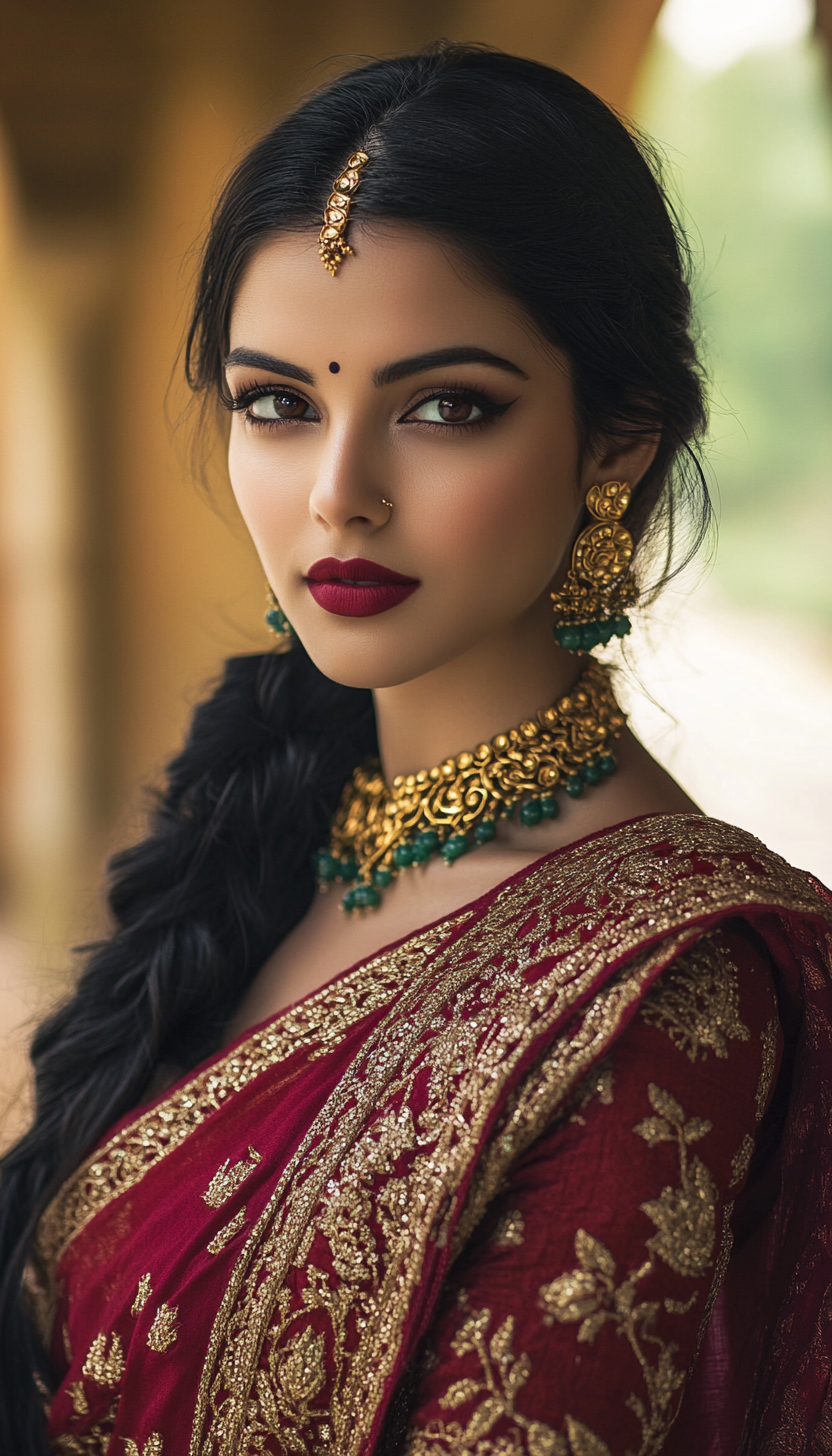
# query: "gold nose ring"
(387, 503)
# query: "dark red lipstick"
(357, 588)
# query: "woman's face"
(405, 379)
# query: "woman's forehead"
(402, 291)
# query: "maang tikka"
(333, 245)
(592, 606)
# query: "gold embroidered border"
(465, 1027)
(544, 1091)
(317, 1025)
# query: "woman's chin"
(372, 663)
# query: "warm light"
(712, 34)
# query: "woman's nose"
(351, 485)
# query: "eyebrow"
(253, 359)
(437, 358)
(391, 373)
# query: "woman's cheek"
(245, 472)
(264, 487)
(505, 508)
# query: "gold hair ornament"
(379, 830)
(333, 245)
(591, 608)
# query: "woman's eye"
(280, 407)
(439, 411)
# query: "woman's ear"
(628, 460)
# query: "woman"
(530, 1156)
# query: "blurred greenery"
(749, 154)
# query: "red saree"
(479, 1194)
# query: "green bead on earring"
(591, 608)
(583, 636)
(279, 624)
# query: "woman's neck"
(492, 687)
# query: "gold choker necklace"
(379, 831)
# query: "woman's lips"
(357, 588)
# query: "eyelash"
(491, 410)
(241, 402)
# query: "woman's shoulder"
(672, 869)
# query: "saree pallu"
(551, 1177)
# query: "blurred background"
(123, 585)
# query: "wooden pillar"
(188, 589)
(43, 816)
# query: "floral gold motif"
(227, 1233)
(143, 1294)
(593, 1295)
(603, 552)
(153, 1446)
(503, 1376)
(227, 1180)
(286, 1392)
(93, 1442)
(684, 1217)
(334, 248)
(372, 1295)
(105, 1361)
(346, 1215)
(697, 1001)
(509, 1231)
(78, 1397)
(769, 1040)
(741, 1161)
(164, 1331)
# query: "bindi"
(334, 367)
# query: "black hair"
(548, 192)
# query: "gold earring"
(278, 623)
(599, 587)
